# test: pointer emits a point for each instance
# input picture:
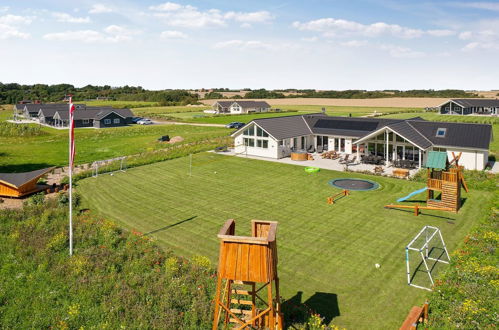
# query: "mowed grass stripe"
(322, 248)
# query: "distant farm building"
(470, 107)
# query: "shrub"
(37, 199)
(465, 296)
(13, 130)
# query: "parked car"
(135, 120)
(145, 121)
(235, 124)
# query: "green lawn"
(50, 148)
(326, 249)
(345, 110)
(152, 111)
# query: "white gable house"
(240, 107)
(389, 140)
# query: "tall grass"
(14, 130)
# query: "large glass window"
(249, 142)
(261, 132)
(371, 147)
(250, 131)
(399, 138)
(380, 137)
(342, 145)
(262, 143)
(409, 153)
(380, 149)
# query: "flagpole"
(70, 126)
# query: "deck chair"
(345, 160)
(353, 160)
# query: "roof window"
(441, 132)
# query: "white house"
(240, 107)
(391, 139)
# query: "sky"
(316, 44)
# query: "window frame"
(442, 130)
(107, 121)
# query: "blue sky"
(321, 44)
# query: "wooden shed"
(21, 184)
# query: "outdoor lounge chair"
(350, 162)
(319, 149)
(311, 149)
(345, 160)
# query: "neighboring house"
(240, 107)
(470, 107)
(94, 117)
(391, 139)
(21, 184)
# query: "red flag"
(72, 132)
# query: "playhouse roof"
(436, 159)
(19, 179)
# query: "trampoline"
(354, 184)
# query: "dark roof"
(477, 102)
(463, 135)
(48, 112)
(284, 127)
(245, 104)
(96, 113)
(420, 132)
(346, 126)
(407, 131)
(19, 179)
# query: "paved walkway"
(327, 164)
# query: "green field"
(50, 149)
(196, 115)
(326, 251)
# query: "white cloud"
(167, 6)
(9, 26)
(476, 45)
(253, 17)
(99, 8)
(15, 19)
(466, 35)
(401, 52)
(173, 35)
(355, 43)
(240, 44)
(66, 18)
(331, 27)
(4, 9)
(441, 33)
(494, 6)
(188, 16)
(112, 33)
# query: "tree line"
(13, 93)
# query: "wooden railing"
(434, 184)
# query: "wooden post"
(416, 210)
(271, 306)
(229, 291)
(217, 302)
(425, 312)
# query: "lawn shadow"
(322, 303)
(18, 168)
(170, 226)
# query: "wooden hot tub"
(299, 155)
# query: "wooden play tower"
(444, 178)
(248, 265)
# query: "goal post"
(422, 245)
(109, 166)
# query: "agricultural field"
(327, 253)
(155, 111)
(48, 146)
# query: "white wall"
(271, 152)
(470, 159)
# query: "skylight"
(441, 132)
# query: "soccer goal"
(109, 166)
(430, 246)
